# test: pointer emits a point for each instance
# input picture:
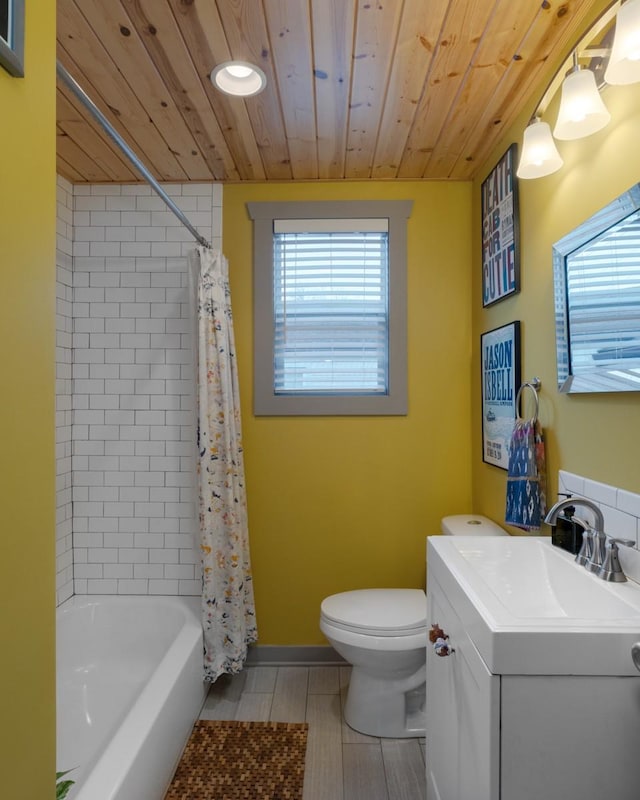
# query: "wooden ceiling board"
(246, 31)
(356, 89)
(169, 54)
(119, 36)
(202, 31)
(82, 54)
(417, 40)
(65, 169)
(289, 26)
(83, 164)
(377, 25)
(492, 58)
(463, 29)
(552, 35)
(97, 147)
(332, 25)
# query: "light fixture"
(582, 111)
(624, 62)
(238, 78)
(540, 155)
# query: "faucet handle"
(611, 540)
(611, 569)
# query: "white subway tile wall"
(64, 332)
(621, 512)
(133, 388)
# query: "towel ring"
(534, 386)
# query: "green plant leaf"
(62, 787)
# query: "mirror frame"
(12, 48)
(602, 220)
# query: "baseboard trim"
(305, 655)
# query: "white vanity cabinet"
(463, 713)
(504, 736)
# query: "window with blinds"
(331, 306)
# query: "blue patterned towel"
(526, 476)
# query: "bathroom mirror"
(596, 272)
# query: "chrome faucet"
(589, 549)
(599, 552)
(552, 514)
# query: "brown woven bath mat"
(241, 761)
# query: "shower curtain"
(228, 613)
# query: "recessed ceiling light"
(238, 78)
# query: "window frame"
(265, 401)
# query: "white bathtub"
(129, 688)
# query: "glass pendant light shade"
(582, 111)
(540, 155)
(624, 61)
(238, 78)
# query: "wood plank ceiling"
(356, 89)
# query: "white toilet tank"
(470, 525)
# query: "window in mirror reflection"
(596, 277)
(603, 301)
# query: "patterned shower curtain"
(228, 613)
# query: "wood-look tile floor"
(341, 763)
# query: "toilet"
(382, 633)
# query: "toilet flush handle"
(440, 642)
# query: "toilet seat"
(377, 612)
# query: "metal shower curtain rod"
(108, 128)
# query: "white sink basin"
(532, 579)
(530, 609)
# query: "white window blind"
(331, 306)
(603, 281)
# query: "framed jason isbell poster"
(500, 364)
(500, 230)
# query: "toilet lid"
(389, 612)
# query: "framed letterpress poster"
(500, 230)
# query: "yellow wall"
(27, 471)
(595, 435)
(339, 503)
(334, 503)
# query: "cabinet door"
(463, 714)
(570, 737)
